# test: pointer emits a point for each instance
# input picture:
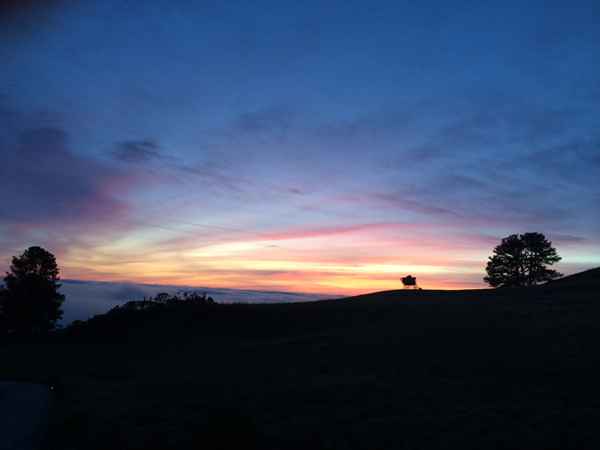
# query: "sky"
(297, 146)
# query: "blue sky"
(300, 145)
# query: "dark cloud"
(137, 151)
(44, 141)
(43, 180)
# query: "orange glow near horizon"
(346, 261)
(232, 267)
(306, 282)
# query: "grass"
(494, 369)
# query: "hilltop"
(490, 368)
(588, 276)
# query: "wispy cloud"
(137, 151)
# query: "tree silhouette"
(522, 260)
(30, 301)
(410, 282)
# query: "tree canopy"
(410, 282)
(522, 260)
(29, 300)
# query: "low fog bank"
(85, 299)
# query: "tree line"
(165, 299)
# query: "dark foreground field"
(483, 369)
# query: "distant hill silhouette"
(592, 275)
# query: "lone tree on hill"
(521, 260)
(410, 282)
(30, 301)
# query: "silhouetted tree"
(410, 282)
(29, 300)
(522, 260)
(161, 297)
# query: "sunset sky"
(308, 146)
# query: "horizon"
(392, 284)
(84, 299)
(299, 146)
(101, 296)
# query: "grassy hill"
(495, 369)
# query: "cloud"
(44, 181)
(137, 151)
(127, 292)
(44, 141)
(577, 160)
(87, 298)
(477, 154)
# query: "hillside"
(494, 369)
(590, 276)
